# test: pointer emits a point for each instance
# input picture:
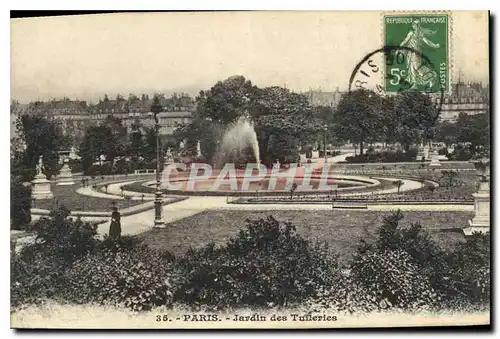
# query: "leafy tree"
(208, 133)
(41, 137)
(358, 117)
(226, 100)
(389, 119)
(283, 118)
(280, 117)
(398, 184)
(473, 129)
(279, 101)
(108, 139)
(282, 147)
(119, 137)
(136, 140)
(417, 117)
(446, 132)
(98, 140)
(149, 150)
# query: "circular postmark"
(409, 69)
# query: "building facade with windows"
(75, 116)
(468, 98)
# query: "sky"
(85, 56)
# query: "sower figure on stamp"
(418, 73)
(115, 228)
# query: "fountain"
(239, 137)
(238, 170)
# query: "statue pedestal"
(435, 160)
(40, 188)
(420, 154)
(481, 221)
(426, 152)
(65, 176)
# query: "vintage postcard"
(214, 170)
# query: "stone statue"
(169, 156)
(39, 167)
(40, 186)
(198, 148)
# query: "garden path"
(143, 221)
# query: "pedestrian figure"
(115, 229)
(83, 182)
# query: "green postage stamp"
(417, 52)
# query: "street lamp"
(325, 128)
(155, 109)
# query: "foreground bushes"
(20, 205)
(267, 264)
(137, 279)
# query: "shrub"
(20, 205)
(461, 153)
(124, 243)
(63, 236)
(389, 279)
(460, 278)
(34, 275)
(138, 279)
(386, 156)
(470, 272)
(443, 151)
(75, 165)
(415, 241)
(267, 264)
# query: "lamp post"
(158, 223)
(325, 128)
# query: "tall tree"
(358, 117)
(98, 140)
(136, 140)
(226, 100)
(149, 150)
(446, 132)
(41, 137)
(119, 137)
(474, 129)
(417, 116)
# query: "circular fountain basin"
(246, 183)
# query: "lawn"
(341, 229)
(460, 187)
(66, 195)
